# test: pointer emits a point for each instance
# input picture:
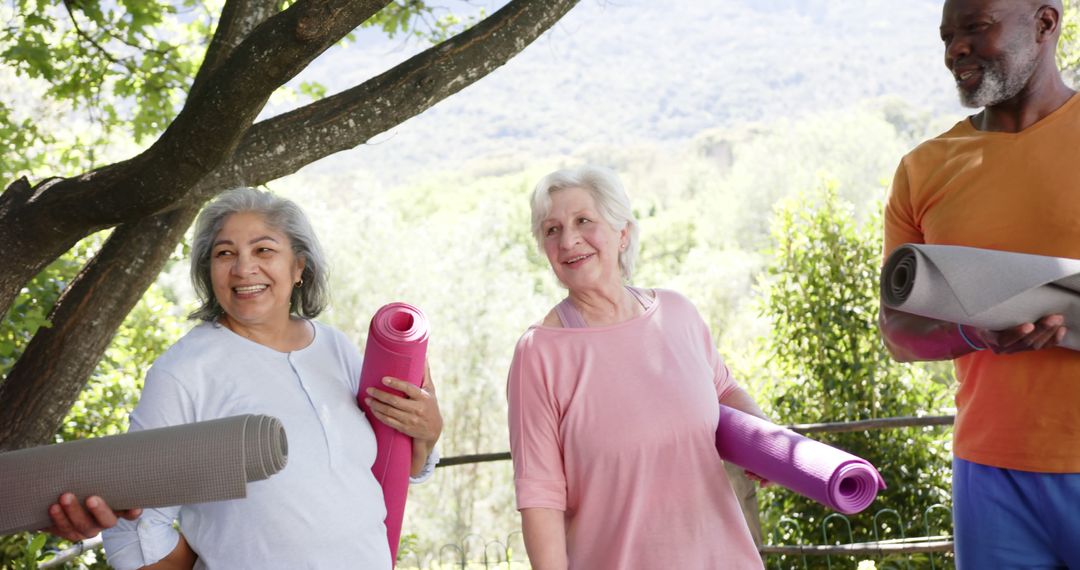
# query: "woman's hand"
(74, 522)
(761, 481)
(415, 415)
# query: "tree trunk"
(52, 371)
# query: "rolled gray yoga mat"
(192, 463)
(982, 287)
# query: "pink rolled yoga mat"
(830, 476)
(396, 346)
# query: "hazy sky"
(630, 72)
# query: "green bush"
(827, 363)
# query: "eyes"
(261, 251)
(970, 28)
(554, 229)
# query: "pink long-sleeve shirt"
(615, 426)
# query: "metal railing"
(502, 553)
(928, 544)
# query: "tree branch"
(35, 231)
(282, 145)
(238, 19)
(207, 129)
(79, 31)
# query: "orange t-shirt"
(1014, 192)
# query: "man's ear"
(1047, 21)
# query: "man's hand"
(911, 338)
(1046, 332)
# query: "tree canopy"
(191, 79)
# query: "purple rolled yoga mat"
(830, 476)
(396, 346)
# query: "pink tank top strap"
(641, 297)
(571, 317)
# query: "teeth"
(249, 289)
(966, 74)
(575, 259)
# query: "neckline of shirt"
(640, 318)
(1050, 119)
(215, 325)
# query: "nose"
(569, 237)
(243, 264)
(958, 47)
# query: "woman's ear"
(301, 263)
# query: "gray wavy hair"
(309, 299)
(611, 199)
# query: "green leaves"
(821, 297)
(121, 69)
(29, 311)
(24, 551)
(312, 89)
(143, 15)
(102, 409)
(421, 20)
(1069, 45)
(19, 139)
(33, 552)
(30, 56)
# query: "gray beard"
(1002, 79)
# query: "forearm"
(912, 338)
(421, 449)
(741, 400)
(544, 531)
(181, 558)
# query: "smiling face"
(991, 48)
(581, 246)
(253, 270)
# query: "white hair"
(309, 298)
(611, 199)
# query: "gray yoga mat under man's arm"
(178, 465)
(982, 287)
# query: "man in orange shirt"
(1002, 179)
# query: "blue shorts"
(1008, 519)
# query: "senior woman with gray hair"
(261, 276)
(613, 403)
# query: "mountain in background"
(626, 73)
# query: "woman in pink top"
(614, 404)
